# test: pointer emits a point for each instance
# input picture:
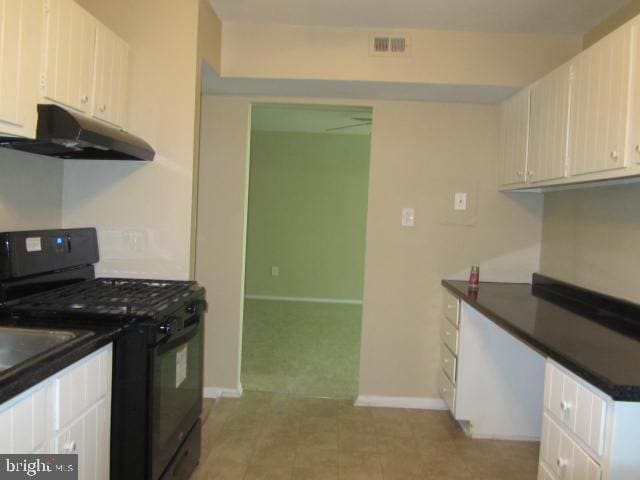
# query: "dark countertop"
(582, 343)
(16, 380)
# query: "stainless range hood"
(63, 134)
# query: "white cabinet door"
(67, 413)
(544, 473)
(600, 105)
(87, 437)
(578, 408)
(563, 457)
(68, 55)
(25, 426)
(20, 44)
(514, 136)
(549, 133)
(633, 140)
(111, 77)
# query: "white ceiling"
(531, 16)
(273, 117)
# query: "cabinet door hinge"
(43, 82)
(46, 7)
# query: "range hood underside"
(63, 134)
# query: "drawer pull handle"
(447, 333)
(565, 406)
(69, 447)
(444, 390)
(562, 463)
(449, 307)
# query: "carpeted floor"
(301, 348)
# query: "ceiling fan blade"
(347, 126)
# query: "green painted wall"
(307, 214)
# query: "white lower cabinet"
(498, 387)
(449, 349)
(586, 434)
(563, 456)
(87, 437)
(499, 381)
(544, 473)
(69, 412)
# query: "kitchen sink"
(20, 345)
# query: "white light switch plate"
(460, 201)
(408, 217)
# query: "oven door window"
(176, 393)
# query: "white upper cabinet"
(68, 63)
(600, 105)
(514, 137)
(584, 119)
(111, 77)
(20, 43)
(633, 129)
(549, 126)
(85, 65)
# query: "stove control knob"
(165, 329)
(190, 308)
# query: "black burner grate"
(114, 296)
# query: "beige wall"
(612, 22)
(209, 36)
(222, 209)
(30, 191)
(438, 57)
(421, 154)
(144, 211)
(209, 56)
(591, 237)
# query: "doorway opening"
(306, 227)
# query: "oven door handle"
(179, 338)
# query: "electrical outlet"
(275, 270)
(460, 201)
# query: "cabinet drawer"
(564, 458)
(448, 362)
(577, 406)
(451, 307)
(544, 473)
(448, 392)
(82, 385)
(449, 335)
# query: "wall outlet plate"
(408, 217)
(460, 201)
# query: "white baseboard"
(421, 403)
(509, 438)
(303, 299)
(215, 392)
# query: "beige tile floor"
(276, 436)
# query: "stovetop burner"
(109, 296)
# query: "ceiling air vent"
(388, 45)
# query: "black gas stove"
(47, 277)
(111, 299)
